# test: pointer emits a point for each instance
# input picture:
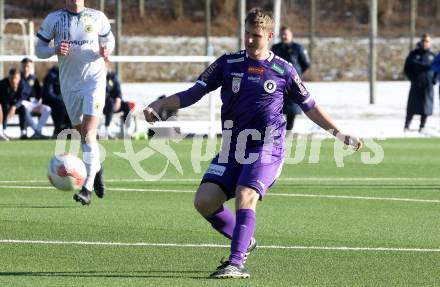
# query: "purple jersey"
(252, 93)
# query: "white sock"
(92, 161)
(1, 128)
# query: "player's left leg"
(88, 131)
(93, 104)
(252, 185)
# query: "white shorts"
(88, 101)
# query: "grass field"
(361, 225)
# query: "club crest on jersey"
(87, 23)
(270, 86)
(88, 29)
(236, 82)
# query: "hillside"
(186, 18)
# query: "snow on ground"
(346, 102)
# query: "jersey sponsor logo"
(237, 74)
(201, 83)
(300, 85)
(236, 82)
(256, 70)
(270, 86)
(231, 61)
(80, 42)
(254, 79)
(205, 76)
(234, 53)
(216, 169)
(278, 69)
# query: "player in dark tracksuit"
(52, 97)
(296, 54)
(12, 92)
(113, 100)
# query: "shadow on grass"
(188, 274)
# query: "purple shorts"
(258, 175)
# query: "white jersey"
(83, 68)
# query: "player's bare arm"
(322, 119)
(151, 112)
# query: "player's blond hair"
(260, 18)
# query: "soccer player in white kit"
(82, 39)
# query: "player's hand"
(151, 112)
(62, 49)
(353, 141)
(104, 51)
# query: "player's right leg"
(209, 202)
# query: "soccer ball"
(66, 172)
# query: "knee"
(206, 205)
(202, 205)
(246, 198)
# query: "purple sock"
(243, 232)
(223, 221)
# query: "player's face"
(286, 36)
(14, 80)
(256, 41)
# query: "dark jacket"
(34, 86)
(51, 87)
(10, 98)
(419, 72)
(113, 87)
(293, 53)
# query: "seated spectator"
(52, 97)
(12, 91)
(114, 102)
(33, 104)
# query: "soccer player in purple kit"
(252, 83)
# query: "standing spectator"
(12, 91)
(113, 99)
(52, 97)
(421, 94)
(296, 54)
(33, 104)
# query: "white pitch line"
(202, 245)
(355, 197)
(279, 179)
(269, 194)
